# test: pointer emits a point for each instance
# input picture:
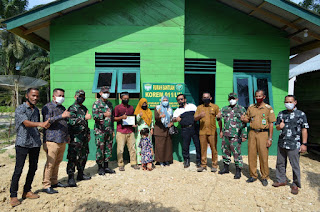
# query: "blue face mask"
(165, 104)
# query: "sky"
(33, 3)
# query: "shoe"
(14, 201)
(214, 169)
(186, 163)
(30, 195)
(276, 184)
(107, 169)
(136, 167)
(82, 176)
(167, 163)
(238, 173)
(162, 164)
(71, 181)
(201, 169)
(225, 169)
(251, 180)
(121, 168)
(198, 165)
(264, 182)
(101, 170)
(294, 190)
(60, 185)
(50, 190)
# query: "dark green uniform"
(78, 149)
(103, 129)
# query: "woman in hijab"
(163, 121)
(144, 120)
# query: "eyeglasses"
(181, 99)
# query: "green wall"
(164, 32)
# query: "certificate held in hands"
(129, 121)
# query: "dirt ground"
(170, 188)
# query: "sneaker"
(14, 201)
(251, 180)
(30, 195)
(201, 169)
(121, 168)
(136, 167)
(213, 169)
(264, 182)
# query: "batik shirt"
(233, 126)
(290, 135)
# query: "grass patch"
(5, 109)
(2, 151)
(11, 156)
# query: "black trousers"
(188, 133)
(21, 155)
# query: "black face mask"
(144, 107)
(125, 101)
(80, 99)
(206, 101)
(181, 104)
(30, 102)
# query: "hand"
(170, 124)
(66, 114)
(243, 118)
(45, 124)
(269, 143)
(218, 116)
(303, 148)
(151, 132)
(162, 115)
(107, 114)
(88, 116)
(243, 139)
(282, 124)
(202, 114)
(221, 134)
(141, 114)
(134, 126)
(178, 119)
(124, 116)
(113, 134)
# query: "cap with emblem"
(233, 96)
(80, 92)
(104, 89)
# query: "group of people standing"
(70, 126)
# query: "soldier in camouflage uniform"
(234, 132)
(102, 111)
(78, 149)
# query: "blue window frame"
(104, 77)
(245, 84)
(128, 80)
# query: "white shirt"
(188, 108)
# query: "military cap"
(80, 92)
(105, 89)
(233, 96)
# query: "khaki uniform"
(259, 117)
(208, 133)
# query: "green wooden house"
(209, 45)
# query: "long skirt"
(163, 148)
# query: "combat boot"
(225, 169)
(101, 170)
(107, 169)
(238, 173)
(82, 176)
(71, 181)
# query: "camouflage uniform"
(233, 131)
(103, 129)
(78, 149)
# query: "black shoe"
(167, 163)
(101, 170)
(225, 169)
(50, 190)
(264, 182)
(107, 170)
(186, 163)
(71, 181)
(58, 185)
(198, 165)
(238, 173)
(251, 180)
(82, 176)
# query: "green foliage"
(4, 109)
(313, 5)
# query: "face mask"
(80, 99)
(165, 104)
(206, 101)
(233, 102)
(259, 100)
(125, 101)
(59, 100)
(181, 104)
(144, 107)
(105, 95)
(30, 102)
(289, 106)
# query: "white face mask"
(232, 102)
(59, 100)
(289, 106)
(105, 95)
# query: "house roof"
(310, 65)
(34, 25)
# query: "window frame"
(120, 73)
(99, 70)
(250, 85)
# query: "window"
(119, 71)
(249, 76)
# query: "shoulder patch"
(271, 111)
(268, 106)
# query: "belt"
(260, 130)
(186, 126)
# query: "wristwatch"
(270, 139)
(304, 144)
